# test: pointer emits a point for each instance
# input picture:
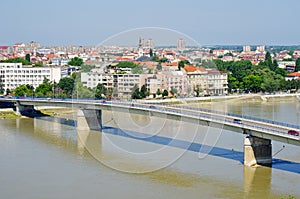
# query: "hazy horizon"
(90, 22)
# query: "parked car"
(237, 121)
(293, 132)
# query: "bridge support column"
(24, 109)
(89, 120)
(257, 151)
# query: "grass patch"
(9, 115)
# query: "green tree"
(297, 68)
(208, 64)
(165, 93)
(220, 65)
(158, 67)
(137, 69)
(86, 68)
(287, 59)
(158, 92)
(233, 83)
(268, 61)
(281, 72)
(100, 91)
(38, 64)
(76, 61)
(229, 54)
(155, 58)
(143, 92)
(240, 69)
(173, 91)
(67, 85)
(197, 90)
(8, 91)
(84, 92)
(135, 92)
(291, 52)
(163, 60)
(30, 90)
(125, 64)
(21, 90)
(197, 60)
(151, 52)
(182, 63)
(1, 87)
(44, 89)
(16, 60)
(252, 82)
(27, 57)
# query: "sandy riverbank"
(8, 113)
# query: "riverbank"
(55, 111)
(8, 113)
(221, 98)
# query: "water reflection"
(188, 182)
(254, 179)
(88, 139)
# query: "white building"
(180, 44)
(92, 79)
(124, 84)
(13, 75)
(176, 80)
(207, 81)
(217, 82)
(261, 48)
(120, 85)
(246, 48)
(287, 65)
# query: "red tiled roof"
(190, 69)
(169, 64)
(51, 56)
(123, 59)
(4, 47)
(295, 74)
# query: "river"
(150, 158)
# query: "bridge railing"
(239, 116)
(180, 108)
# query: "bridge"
(257, 144)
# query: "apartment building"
(124, 84)
(92, 79)
(196, 79)
(13, 75)
(217, 83)
(206, 81)
(120, 85)
(154, 82)
(176, 80)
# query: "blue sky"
(89, 22)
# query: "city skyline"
(92, 22)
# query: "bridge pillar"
(24, 109)
(89, 120)
(257, 151)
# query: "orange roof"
(51, 56)
(190, 69)
(123, 59)
(295, 74)
(181, 58)
(169, 64)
